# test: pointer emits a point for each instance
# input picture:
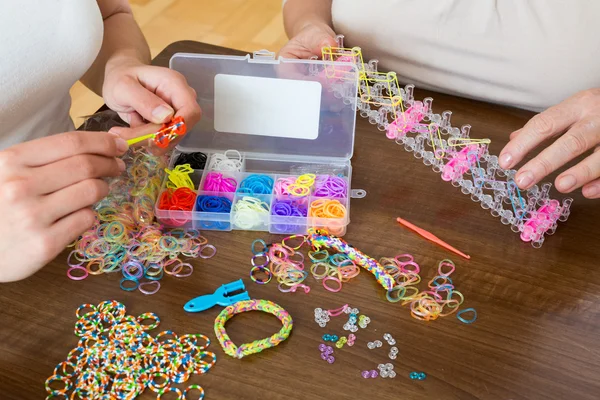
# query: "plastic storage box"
(285, 117)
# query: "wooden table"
(536, 336)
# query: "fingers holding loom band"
(73, 198)
(64, 173)
(65, 145)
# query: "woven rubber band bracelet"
(258, 345)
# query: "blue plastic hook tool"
(219, 297)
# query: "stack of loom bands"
(230, 161)
(195, 160)
(259, 345)
(288, 271)
(117, 357)
(282, 264)
(295, 208)
(289, 208)
(181, 199)
(297, 187)
(124, 232)
(213, 204)
(330, 214)
(337, 268)
(282, 186)
(324, 208)
(180, 177)
(250, 213)
(216, 182)
(439, 301)
(256, 184)
(330, 186)
(320, 239)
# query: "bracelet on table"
(258, 345)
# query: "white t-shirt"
(527, 53)
(45, 47)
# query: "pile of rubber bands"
(398, 275)
(299, 187)
(286, 263)
(439, 300)
(117, 358)
(125, 239)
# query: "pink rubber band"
(141, 289)
(445, 264)
(303, 286)
(209, 246)
(338, 311)
(77, 278)
(69, 259)
(406, 271)
(409, 258)
(186, 274)
(332, 278)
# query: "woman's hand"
(576, 124)
(142, 93)
(46, 188)
(309, 41)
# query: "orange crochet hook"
(430, 236)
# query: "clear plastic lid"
(271, 109)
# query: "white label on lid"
(267, 106)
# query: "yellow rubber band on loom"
(439, 155)
(455, 142)
(180, 177)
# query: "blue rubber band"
(467, 321)
(137, 283)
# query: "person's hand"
(576, 123)
(46, 188)
(141, 93)
(309, 42)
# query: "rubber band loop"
(77, 278)
(169, 389)
(263, 270)
(331, 278)
(129, 289)
(263, 255)
(253, 247)
(193, 387)
(446, 262)
(467, 321)
(208, 246)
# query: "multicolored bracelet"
(258, 345)
(319, 238)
